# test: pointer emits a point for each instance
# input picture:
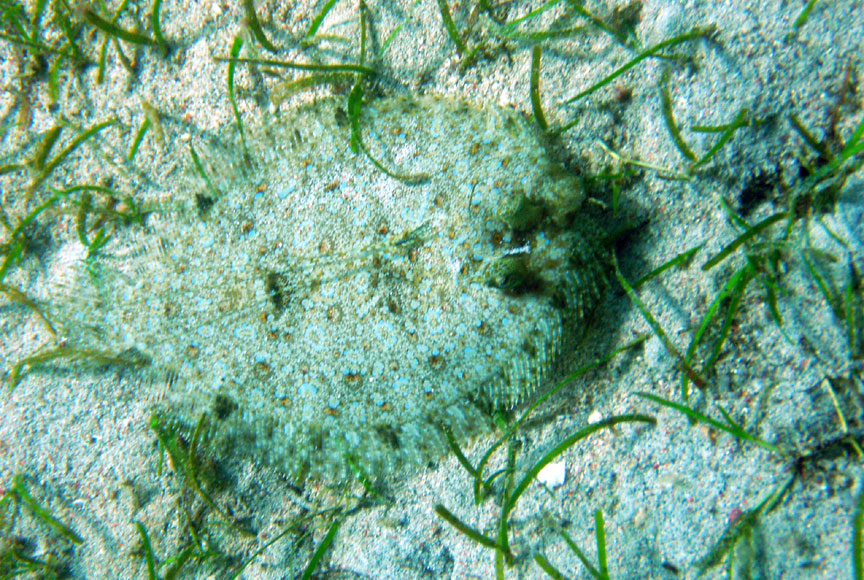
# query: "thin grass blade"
(698, 32)
(149, 560)
(157, 28)
(353, 68)
(255, 26)
(600, 531)
(733, 428)
(20, 489)
(536, 102)
(451, 29)
(92, 17)
(319, 18)
(583, 433)
(464, 528)
(321, 550)
(744, 238)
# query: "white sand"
(667, 493)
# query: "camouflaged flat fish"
(318, 310)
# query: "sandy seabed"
(82, 436)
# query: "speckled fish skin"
(317, 309)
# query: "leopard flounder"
(318, 310)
